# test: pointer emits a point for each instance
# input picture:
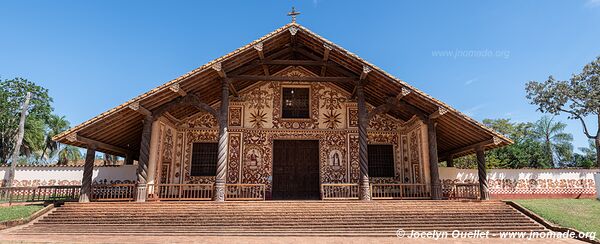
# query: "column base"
(84, 198)
(436, 192)
(141, 193)
(364, 192)
(219, 192)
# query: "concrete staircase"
(326, 218)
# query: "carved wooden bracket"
(135, 106)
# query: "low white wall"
(528, 181)
(597, 177)
(69, 175)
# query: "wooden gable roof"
(118, 130)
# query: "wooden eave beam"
(259, 49)
(362, 80)
(177, 89)
(327, 49)
(293, 31)
(295, 62)
(394, 104)
(330, 65)
(483, 144)
(438, 113)
(365, 72)
(290, 78)
(257, 62)
(135, 106)
(75, 137)
(404, 92)
(219, 68)
(189, 99)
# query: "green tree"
(557, 145)
(12, 94)
(587, 158)
(55, 125)
(526, 152)
(69, 154)
(579, 98)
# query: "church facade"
(288, 116)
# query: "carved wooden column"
(88, 171)
(223, 141)
(128, 159)
(436, 188)
(365, 191)
(450, 161)
(481, 172)
(142, 172)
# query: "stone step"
(262, 218)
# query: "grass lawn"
(18, 212)
(579, 214)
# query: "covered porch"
(235, 104)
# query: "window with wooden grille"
(381, 160)
(295, 103)
(204, 159)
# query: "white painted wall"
(597, 177)
(71, 175)
(518, 174)
(529, 181)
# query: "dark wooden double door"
(295, 169)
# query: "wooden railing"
(113, 192)
(461, 191)
(245, 192)
(39, 194)
(337, 191)
(400, 191)
(181, 191)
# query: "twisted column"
(223, 144)
(142, 171)
(365, 191)
(434, 173)
(88, 171)
(481, 172)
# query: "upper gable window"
(296, 103)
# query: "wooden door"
(296, 169)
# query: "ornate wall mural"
(255, 121)
(256, 163)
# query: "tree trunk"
(598, 151)
(19, 141)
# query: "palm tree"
(556, 143)
(56, 124)
(69, 154)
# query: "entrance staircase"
(269, 218)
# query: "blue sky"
(474, 55)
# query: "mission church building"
(288, 116)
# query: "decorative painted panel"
(235, 116)
(235, 158)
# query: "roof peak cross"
(293, 14)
